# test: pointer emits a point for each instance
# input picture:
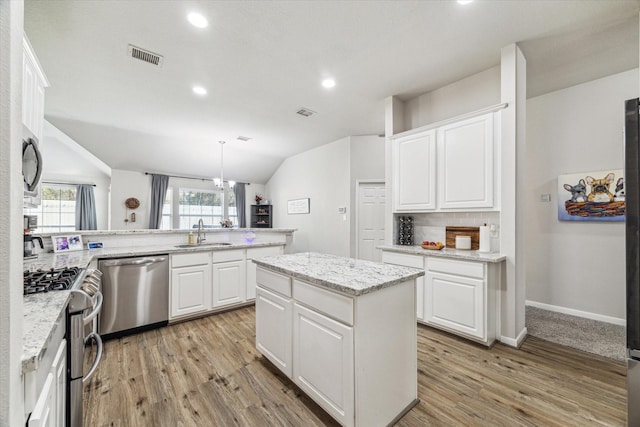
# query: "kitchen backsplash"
(431, 226)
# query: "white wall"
(575, 265)
(367, 163)
(125, 184)
(321, 174)
(11, 392)
(464, 96)
(64, 160)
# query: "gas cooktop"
(50, 280)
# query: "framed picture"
(67, 243)
(592, 196)
(298, 206)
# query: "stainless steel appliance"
(31, 166)
(84, 306)
(30, 246)
(632, 202)
(136, 294)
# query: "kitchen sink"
(204, 245)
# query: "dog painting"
(591, 196)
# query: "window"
(57, 211)
(196, 204)
(232, 212)
(166, 212)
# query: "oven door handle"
(96, 309)
(98, 340)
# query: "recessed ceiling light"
(464, 1)
(328, 83)
(199, 90)
(197, 20)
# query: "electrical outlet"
(342, 210)
(545, 197)
(493, 230)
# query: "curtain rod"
(191, 177)
(66, 183)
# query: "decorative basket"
(432, 247)
(595, 209)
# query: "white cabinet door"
(229, 283)
(465, 163)
(457, 303)
(33, 85)
(190, 290)
(43, 414)
(323, 358)
(414, 172)
(59, 371)
(274, 328)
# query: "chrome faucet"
(202, 238)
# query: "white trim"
(578, 313)
(515, 342)
(491, 109)
(357, 203)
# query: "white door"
(190, 290)
(274, 328)
(370, 220)
(323, 352)
(229, 286)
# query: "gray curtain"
(85, 208)
(159, 184)
(239, 191)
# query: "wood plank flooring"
(207, 372)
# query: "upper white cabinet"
(465, 163)
(446, 167)
(34, 82)
(414, 170)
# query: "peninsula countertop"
(346, 275)
(447, 253)
(40, 311)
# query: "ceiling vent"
(243, 138)
(305, 112)
(145, 55)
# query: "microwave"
(31, 167)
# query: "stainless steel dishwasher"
(135, 294)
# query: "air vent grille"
(145, 55)
(243, 138)
(305, 112)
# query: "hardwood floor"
(207, 372)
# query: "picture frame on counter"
(67, 243)
(298, 206)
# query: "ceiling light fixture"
(219, 182)
(197, 20)
(464, 1)
(328, 83)
(199, 90)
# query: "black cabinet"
(261, 216)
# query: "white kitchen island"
(343, 330)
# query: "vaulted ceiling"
(261, 61)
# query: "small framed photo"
(298, 206)
(67, 243)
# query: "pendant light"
(219, 182)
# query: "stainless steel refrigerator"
(632, 201)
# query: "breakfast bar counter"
(343, 330)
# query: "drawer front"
(190, 259)
(404, 260)
(456, 267)
(330, 303)
(274, 281)
(228, 255)
(254, 253)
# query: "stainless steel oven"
(82, 312)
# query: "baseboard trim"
(517, 342)
(577, 313)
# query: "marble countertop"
(40, 311)
(346, 275)
(447, 253)
(180, 231)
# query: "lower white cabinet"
(228, 283)
(50, 406)
(44, 413)
(190, 283)
(323, 362)
(460, 297)
(273, 328)
(59, 371)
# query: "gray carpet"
(592, 336)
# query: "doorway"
(370, 212)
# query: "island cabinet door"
(323, 358)
(274, 328)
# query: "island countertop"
(346, 275)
